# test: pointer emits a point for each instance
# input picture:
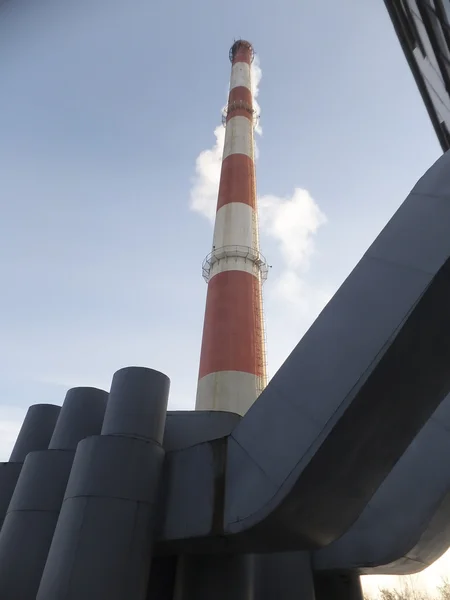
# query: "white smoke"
(203, 196)
(256, 79)
(291, 222)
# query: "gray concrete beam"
(306, 459)
(406, 525)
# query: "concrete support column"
(161, 585)
(103, 540)
(284, 576)
(338, 585)
(33, 512)
(224, 577)
(35, 433)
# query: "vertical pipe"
(35, 433)
(103, 540)
(33, 512)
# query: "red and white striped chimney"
(232, 362)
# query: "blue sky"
(105, 108)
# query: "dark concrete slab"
(187, 428)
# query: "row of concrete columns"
(78, 497)
(78, 504)
(283, 576)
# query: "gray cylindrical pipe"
(137, 404)
(338, 585)
(9, 474)
(103, 540)
(222, 577)
(81, 415)
(33, 512)
(36, 430)
(35, 433)
(29, 524)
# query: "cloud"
(291, 288)
(292, 222)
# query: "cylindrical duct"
(36, 431)
(137, 404)
(103, 540)
(33, 512)
(81, 416)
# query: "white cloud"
(295, 291)
(292, 222)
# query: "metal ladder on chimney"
(258, 315)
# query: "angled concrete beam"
(406, 525)
(305, 460)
